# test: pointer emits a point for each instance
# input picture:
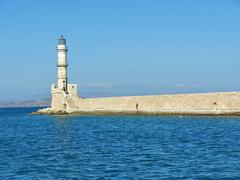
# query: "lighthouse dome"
(62, 40)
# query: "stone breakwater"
(181, 104)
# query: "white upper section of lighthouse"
(62, 64)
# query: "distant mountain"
(27, 103)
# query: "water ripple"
(124, 147)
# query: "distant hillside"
(27, 103)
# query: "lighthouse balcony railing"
(62, 64)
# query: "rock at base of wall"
(49, 111)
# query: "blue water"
(120, 147)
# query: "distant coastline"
(26, 103)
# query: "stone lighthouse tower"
(62, 64)
(64, 95)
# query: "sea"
(117, 147)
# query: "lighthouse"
(64, 95)
(62, 64)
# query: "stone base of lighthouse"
(62, 100)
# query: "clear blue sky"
(120, 46)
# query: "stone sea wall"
(182, 104)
